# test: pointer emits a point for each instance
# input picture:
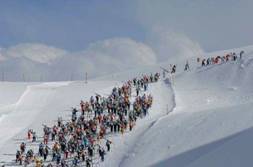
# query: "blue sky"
(73, 24)
(65, 24)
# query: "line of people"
(206, 62)
(220, 59)
(83, 139)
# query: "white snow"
(204, 118)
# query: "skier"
(131, 125)
(234, 56)
(34, 136)
(29, 134)
(82, 104)
(137, 90)
(203, 62)
(75, 161)
(145, 86)
(64, 163)
(22, 147)
(208, 61)
(41, 148)
(92, 102)
(241, 53)
(186, 67)
(108, 145)
(18, 156)
(173, 70)
(58, 158)
(88, 162)
(59, 121)
(45, 139)
(38, 162)
(45, 152)
(90, 151)
(54, 132)
(83, 155)
(101, 153)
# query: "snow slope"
(200, 118)
(126, 145)
(40, 104)
(212, 105)
(10, 93)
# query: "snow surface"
(201, 118)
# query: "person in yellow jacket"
(38, 162)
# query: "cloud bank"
(35, 62)
(173, 46)
(40, 62)
(36, 52)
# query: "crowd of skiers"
(205, 62)
(85, 134)
(220, 59)
(77, 141)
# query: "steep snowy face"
(221, 85)
(213, 110)
(233, 76)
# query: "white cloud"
(123, 50)
(172, 46)
(100, 58)
(113, 55)
(36, 52)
